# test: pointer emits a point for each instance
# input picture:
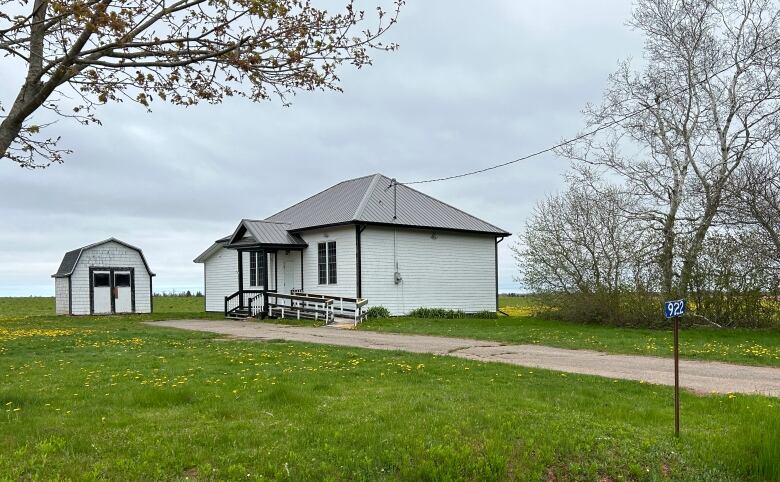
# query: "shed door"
(123, 292)
(101, 282)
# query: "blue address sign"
(674, 308)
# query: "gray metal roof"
(264, 233)
(369, 199)
(71, 258)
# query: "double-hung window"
(326, 263)
(256, 267)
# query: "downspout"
(498, 240)
(151, 294)
(358, 260)
(70, 296)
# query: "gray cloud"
(469, 87)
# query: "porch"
(297, 305)
(271, 279)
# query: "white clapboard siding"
(110, 255)
(61, 295)
(346, 274)
(221, 274)
(453, 271)
(292, 261)
(221, 277)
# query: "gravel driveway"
(699, 376)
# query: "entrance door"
(123, 292)
(101, 282)
(289, 276)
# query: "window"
(332, 262)
(122, 279)
(101, 280)
(322, 265)
(252, 269)
(256, 267)
(326, 263)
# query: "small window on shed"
(122, 279)
(102, 280)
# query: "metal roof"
(71, 258)
(202, 257)
(264, 233)
(370, 199)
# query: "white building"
(103, 278)
(366, 238)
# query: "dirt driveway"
(699, 376)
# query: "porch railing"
(239, 302)
(344, 306)
(299, 307)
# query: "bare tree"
(580, 242)
(181, 51)
(736, 278)
(754, 199)
(676, 130)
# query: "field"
(95, 398)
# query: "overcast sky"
(468, 88)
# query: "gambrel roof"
(375, 200)
(71, 258)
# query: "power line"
(597, 129)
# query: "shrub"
(378, 312)
(449, 314)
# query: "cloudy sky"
(469, 87)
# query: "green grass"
(93, 398)
(40, 308)
(754, 347)
(521, 301)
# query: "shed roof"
(71, 258)
(374, 199)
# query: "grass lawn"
(109, 398)
(165, 307)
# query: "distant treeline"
(179, 294)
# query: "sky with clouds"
(469, 87)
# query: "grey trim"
(70, 295)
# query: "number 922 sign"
(674, 308)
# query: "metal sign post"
(675, 309)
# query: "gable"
(72, 258)
(374, 199)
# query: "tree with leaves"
(78, 55)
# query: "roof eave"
(408, 226)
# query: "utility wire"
(597, 129)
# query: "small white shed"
(108, 277)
